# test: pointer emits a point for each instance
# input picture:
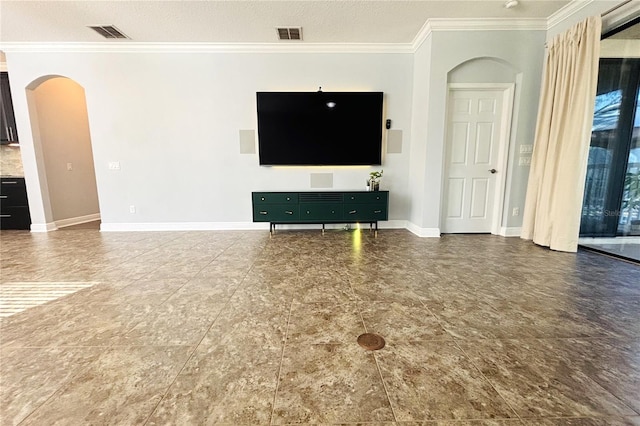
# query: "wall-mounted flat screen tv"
(320, 128)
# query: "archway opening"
(62, 141)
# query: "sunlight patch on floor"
(18, 296)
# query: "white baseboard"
(423, 232)
(77, 220)
(514, 231)
(43, 227)
(230, 226)
(393, 224)
(183, 226)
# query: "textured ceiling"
(206, 21)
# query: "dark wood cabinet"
(320, 207)
(14, 207)
(8, 132)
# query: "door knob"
(493, 171)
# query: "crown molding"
(567, 11)
(429, 26)
(472, 24)
(134, 47)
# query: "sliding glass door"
(611, 204)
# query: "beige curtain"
(558, 166)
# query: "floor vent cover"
(371, 341)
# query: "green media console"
(320, 207)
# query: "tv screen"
(320, 128)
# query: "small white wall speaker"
(394, 141)
(247, 141)
(321, 180)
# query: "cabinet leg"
(323, 229)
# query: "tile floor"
(199, 328)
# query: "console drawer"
(319, 212)
(260, 198)
(366, 197)
(365, 212)
(276, 213)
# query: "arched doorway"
(478, 134)
(62, 142)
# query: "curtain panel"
(563, 132)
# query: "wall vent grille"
(289, 33)
(108, 31)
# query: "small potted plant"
(374, 180)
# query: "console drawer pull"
(377, 211)
(5, 215)
(353, 212)
(288, 212)
(263, 212)
(4, 196)
(9, 182)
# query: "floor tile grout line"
(637, 412)
(195, 348)
(384, 386)
(472, 363)
(487, 380)
(196, 274)
(182, 286)
(284, 346)
(375, 359)
(82, 370)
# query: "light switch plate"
(114, 165)
(524, 161)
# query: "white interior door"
(475, 139)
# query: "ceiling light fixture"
(509, 4)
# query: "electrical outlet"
(526, 149)
(114, 165)
(132, 209)
(69, 167)
(516, 211)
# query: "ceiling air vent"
(108, 31)
(294, 33)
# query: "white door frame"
(508, 90)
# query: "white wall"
(419, 118)
(172, 120)
(65, 140)
(524, 51)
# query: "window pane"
(629, 223)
